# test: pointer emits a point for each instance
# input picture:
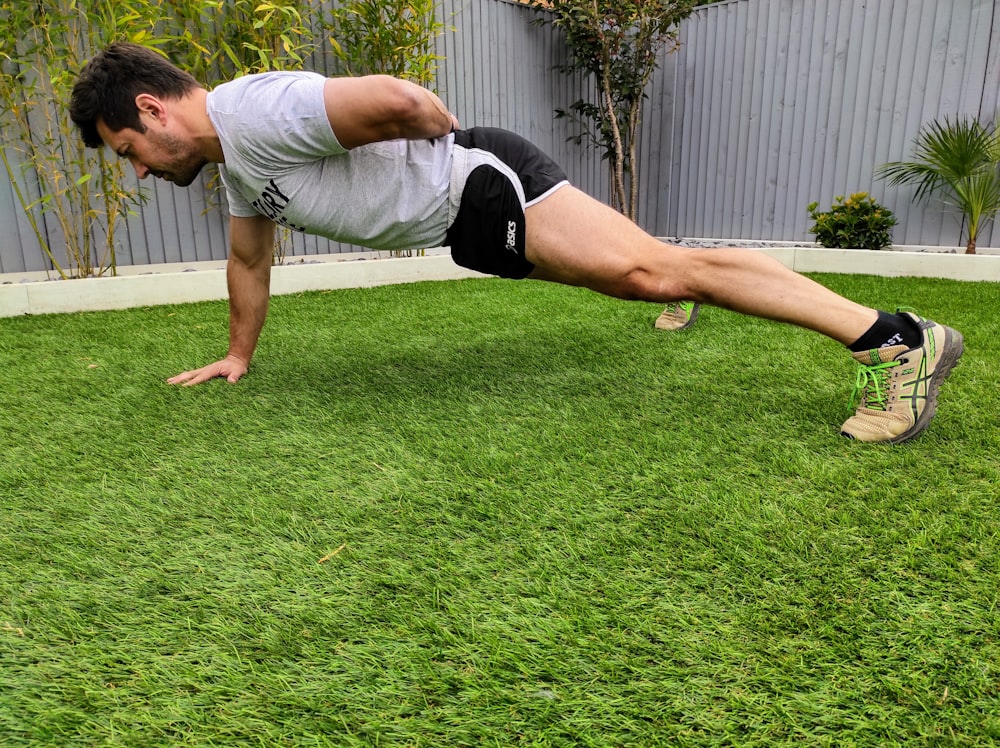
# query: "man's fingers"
(202, 375)
(231, 370)
(197, 376)
(180, 378)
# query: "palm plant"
(959, 160)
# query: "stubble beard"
(185, 161)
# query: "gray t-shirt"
(283, 161)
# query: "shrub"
(74, 197)
(857, 222)
(391, 37)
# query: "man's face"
(156, 151)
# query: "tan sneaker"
(679, 315)
(898, 387)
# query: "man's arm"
(379, 107)
(248, 275)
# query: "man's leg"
(574, 239)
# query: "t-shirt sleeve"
(269, 123)
(282, 120)
(238, 205)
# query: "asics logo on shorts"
(512, 236)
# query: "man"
(380, 162)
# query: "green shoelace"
(871, 386)
(684, 306)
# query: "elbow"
(409, 98)
(415, 112)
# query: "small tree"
(960, 161)
(42, 45)
(618, 42)
(388, 37)
(218, 40)
(392, 37)
(74, 197)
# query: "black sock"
(889, 329)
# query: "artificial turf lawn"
(491, 513)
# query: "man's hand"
(231, 367)
(248, 277)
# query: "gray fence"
(781, 102)
(768, 105)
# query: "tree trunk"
(970, 248)
(633, 200)
(618, 183)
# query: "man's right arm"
(248, 276)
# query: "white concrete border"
(892, 264)
(180, 284)
(151, 285)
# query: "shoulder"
(272, 120)
(261, 90)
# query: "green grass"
(556, 527)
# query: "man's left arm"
(371, 108)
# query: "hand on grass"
(231, 367)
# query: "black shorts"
(503, 174)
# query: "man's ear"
(150, 106)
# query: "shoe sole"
(954, 347)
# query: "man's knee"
(643, 283)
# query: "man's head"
(110, 82)
(122, 98)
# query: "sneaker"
(679, 315)
(897, 387)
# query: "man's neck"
(198, 123)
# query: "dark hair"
(111, 80)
